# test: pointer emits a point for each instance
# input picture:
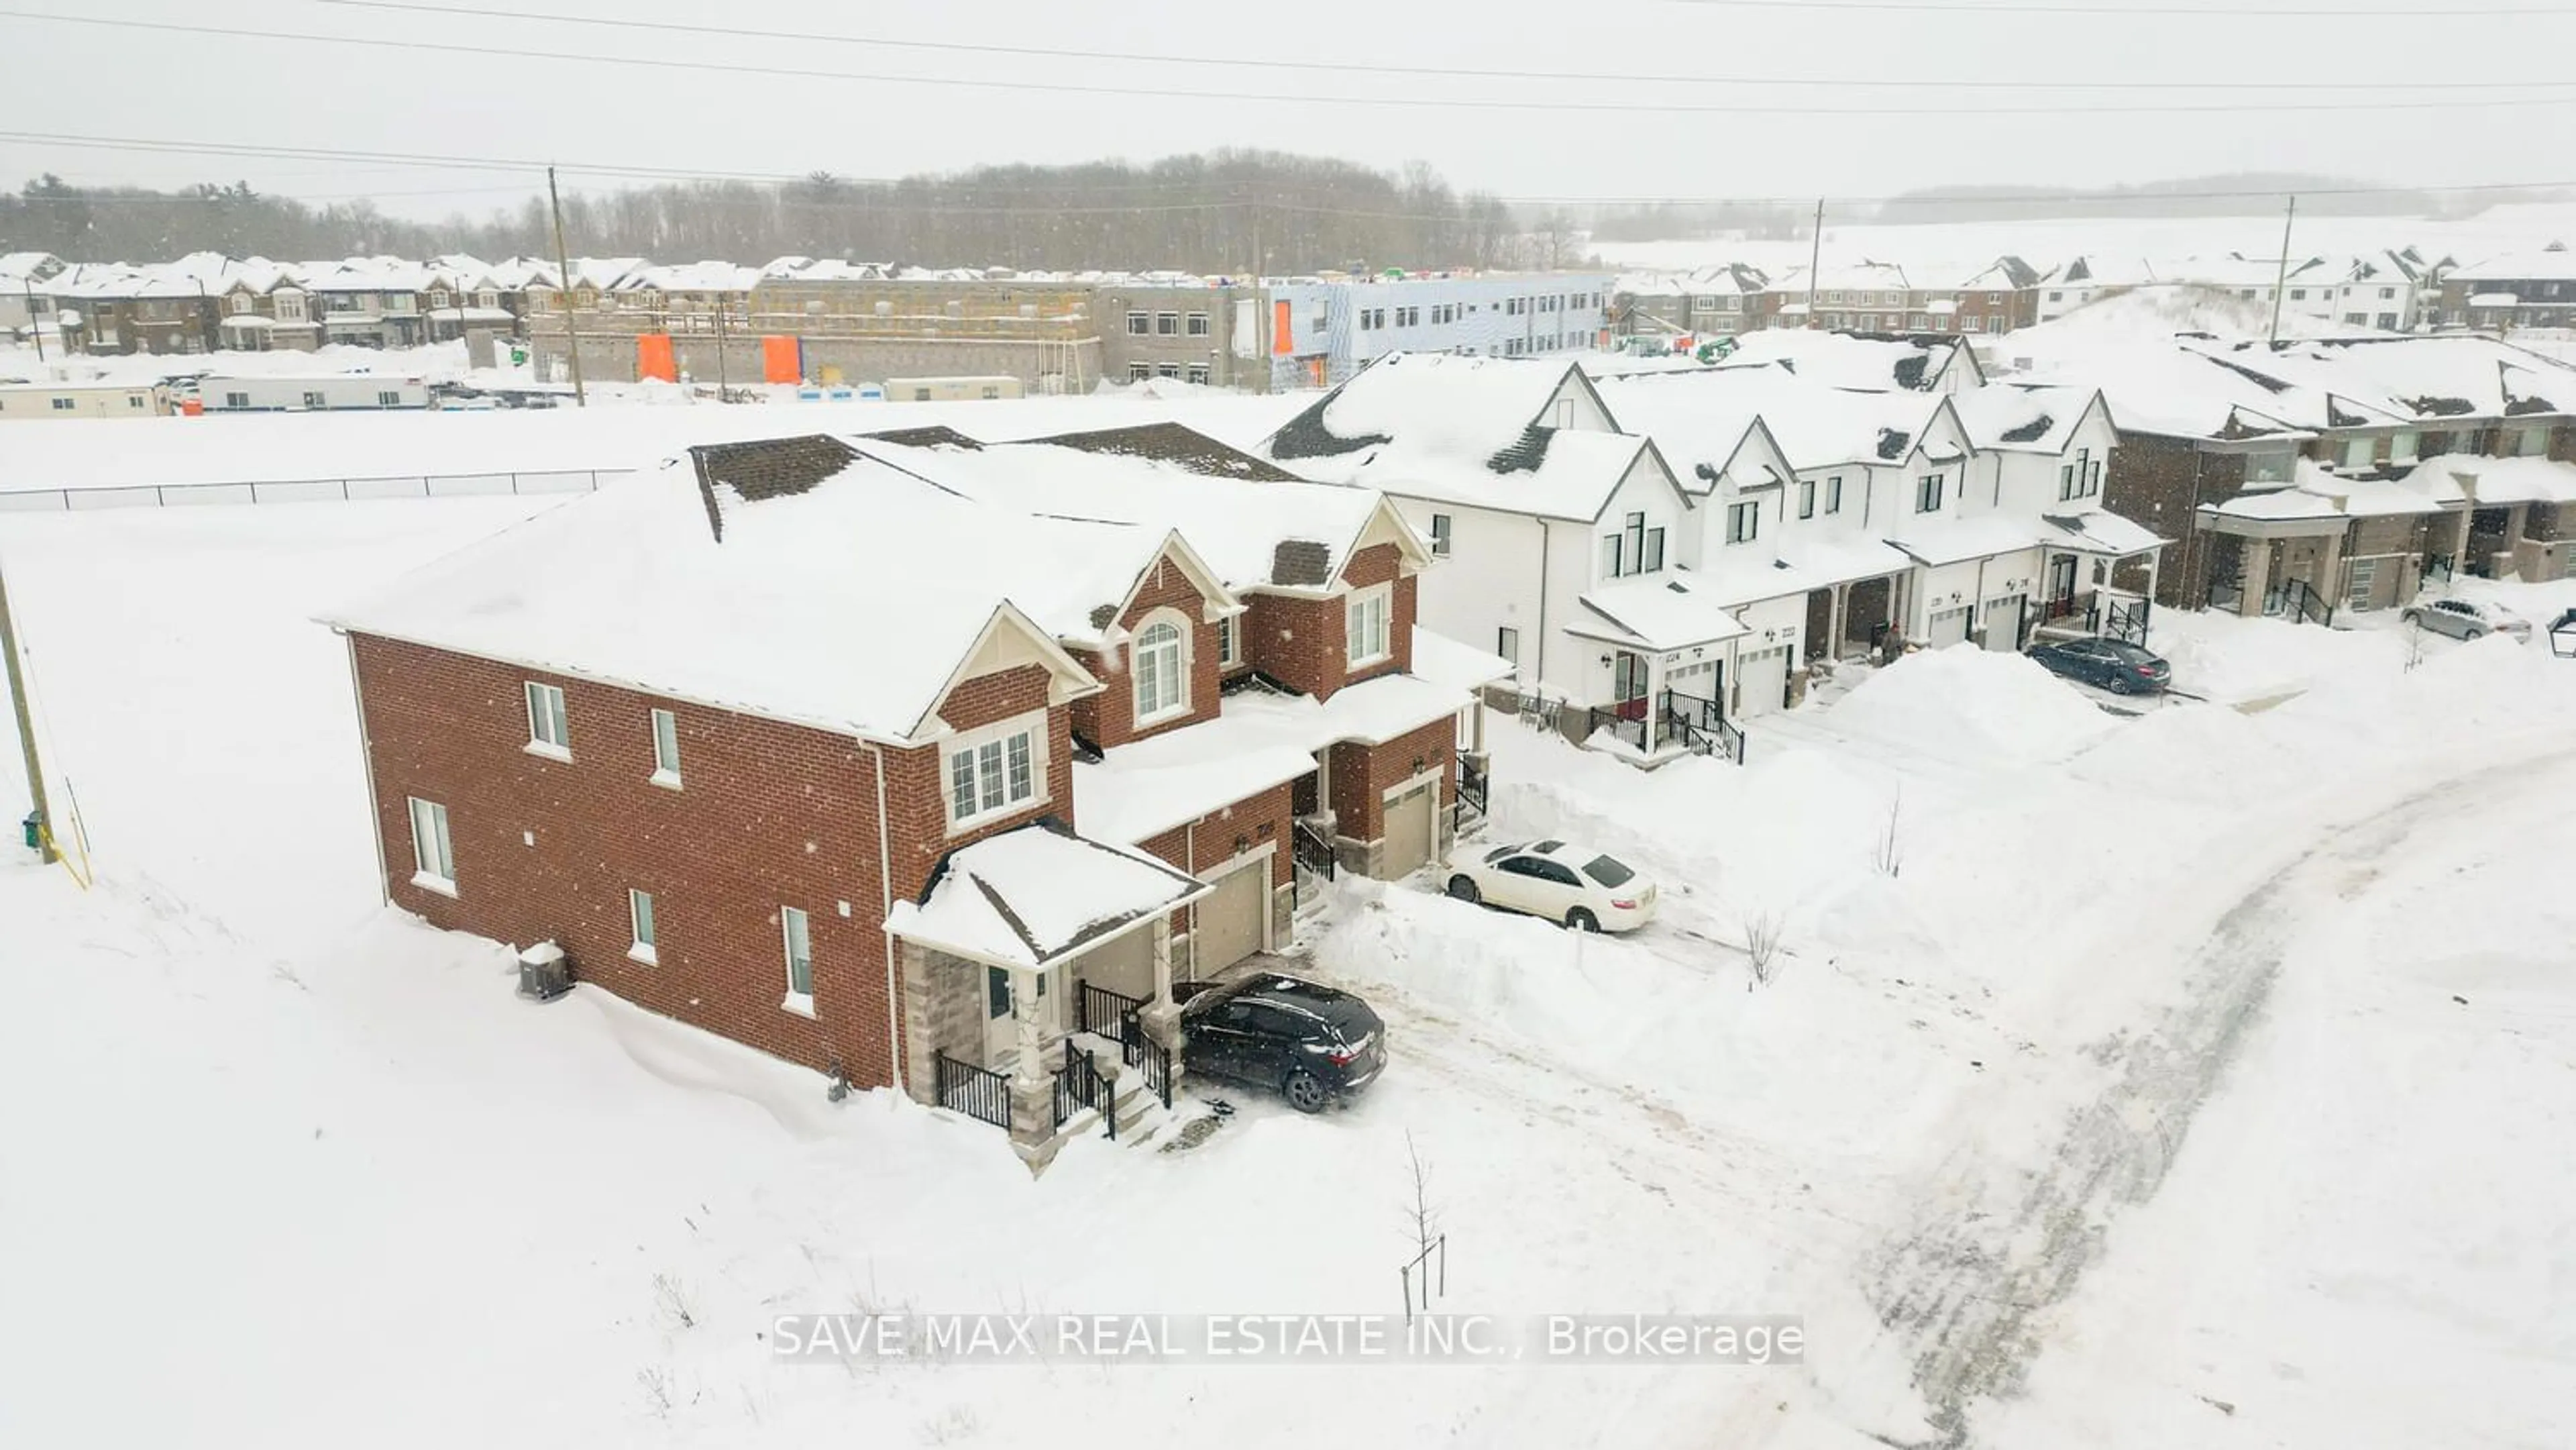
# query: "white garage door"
(1761, 681)
(1408, 830)
(1229, 922)
(1948, 626)
(2002, 620)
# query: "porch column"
(1161, 1018)
(1032, 1086)
(1654, 690)
(1834, 628)
(2330, 571)
(2460, 539)
(2257, 555)
(2154, 558)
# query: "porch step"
(1138, 1114)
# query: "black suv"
(1312, 1042)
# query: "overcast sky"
(149, 82)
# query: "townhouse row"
(909, 759)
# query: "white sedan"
(2467, 619)
(1581, 888)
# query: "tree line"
(1216, 212)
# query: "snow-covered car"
(2467, 619)
(1575, 885)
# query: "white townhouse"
(2039, 453)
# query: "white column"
(1163, 962)
(1834, 625)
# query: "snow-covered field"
(2112, 1073)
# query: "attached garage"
(1411, 829)
(1228, 925)
(1761, 682)
(1947, 626)
(2001, 618)
(1124, 965)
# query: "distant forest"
(1217, 213)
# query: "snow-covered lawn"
(277, 1158)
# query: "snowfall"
(2192, 1074)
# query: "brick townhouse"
(846, 750)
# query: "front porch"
(2098, 577)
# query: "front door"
(1001, 1031)
(1628, 685)
(2061, 585)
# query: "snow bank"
(1966, 702)
(2202, 752)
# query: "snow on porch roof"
(2098, 531)
(1667, 611)
(1955, 541)
(1031, 896)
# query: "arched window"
(1162, 671)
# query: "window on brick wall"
(797, 940)
(433, 857)
(1365, 624)
(1162, 671)
(549, 729)
(996, 770)
(666, 748)
(639, 915)
(1229, 641)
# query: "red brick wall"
(768, 814)
(1304, 642)
(1208, 843)
(1108, 719)
(917, 786)
(1362, 774)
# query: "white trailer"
(950, 390)
(326, 393)
(32, 402)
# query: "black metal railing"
(2065, 607)
(974, 1091)
(2439, 567)
(1080, 1084)
(2224, 594)
(1536, 711)
(1120, 1018)
(1700, 725)
(2127, 622)
(1474, 786)
(2303, 603)
(1625, 721)
(1312, 850)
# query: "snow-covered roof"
(2164, 386)
(366, 274)
(1935, 541)
(1445, 661)
(2541, 266)
(2098, 531)
(1663, 611)
(2416, 378)
(1795, 563)
(2277, 504)
(1849, 360)
(1139, 791)
(1255, 526)
(2497, 480)
(691, 277)
(1468, 430)
(2025, 417)
(1030, 896)
(789, 578)
(1696, 417)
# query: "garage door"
(1948, 626)
(1408, 830)
(1229, 922)
(2002, 618)
(1124, 965)
(1762, 682)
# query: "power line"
(2204, 12)
(2480, 102)
(733, 32)
(536, 168)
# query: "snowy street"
(2192, 1077)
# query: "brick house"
(755, 744)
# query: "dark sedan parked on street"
(1312, 1042)
(2106, 663)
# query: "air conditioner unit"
(544, 974)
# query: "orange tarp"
(653, 358)
(782, 360)
(1279, 329)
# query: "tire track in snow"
(1971, 1284)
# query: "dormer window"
(997, 770)
(1162, 671)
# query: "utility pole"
(724, 389)
(26, 727)
(563, 289)
(1815, 260)
(35, 324)
(2281, 281)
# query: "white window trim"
(638, 949)
(422, 876)
(1229, 641)
(1035, 723)
(801, 1003)
(537, 743)
(1384, 595)
(665, 776)
(1183, 653)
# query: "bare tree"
(1889, 855)
(1418, 1213)
(1762, 947)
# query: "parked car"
(2108, 664)
(1571, 884)
(1312, 1042)
(2467, 619)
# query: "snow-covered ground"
(2110, 1063)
